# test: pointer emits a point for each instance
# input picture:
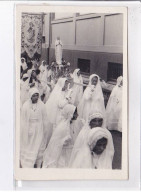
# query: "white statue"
(58, 51)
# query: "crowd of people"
(64, 123)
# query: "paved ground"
(117, 140)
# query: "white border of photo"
(7, 113)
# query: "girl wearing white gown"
(23, 66)
(93, 147)
(114, 107)
(77, 89)
(43, 72)
(43, 87)
(92, 100)
(33, 124)
(59, 148)
(59, 97)
(24, 87)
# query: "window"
(84, 66)
(114, 71)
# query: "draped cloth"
(33, 124)
(61, 134)
(114, 108)
(92, 101)
(31, 34)
(75, 128)
(77, 89)
(82, 157)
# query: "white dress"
(77, 89)
(114, 109)
(57, 100)
(24, 86)
(75, 128)
(92, 101)
(33, 124)
(58, 151)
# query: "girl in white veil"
(57, 100)
(94, 120)
(92, 100)
(77, 89)
(114, 107)
(33, 124)
(24, 87)
(84, 153)
(43, 72)
(23, 64)
(60, 137)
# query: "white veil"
(97, 103)
(81, 142)
(114, 108)
(52, 103)
(81, 155)
(60, 134)
(98, 88)
(77, 78)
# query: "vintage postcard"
(71, 93)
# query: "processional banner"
(31, 34)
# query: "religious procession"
(64, 121)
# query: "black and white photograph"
(71, 92)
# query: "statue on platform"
(58, 51)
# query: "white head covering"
(43, 62)
(81, 138)
(76, 78)
(81, 155)
(117, 89)
(52, 103)
(98, 89)
(23, 59)
(33, 91)
(92, 76)
(95, 135)
(24, 65)
(75, 72)
(97, 99)
(86, 126)
(60, 135)
(94, 116)
(114, 108)
(106, 158)
(68, 111)
(25, 75)
(119, 79)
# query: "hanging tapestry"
(31, 34)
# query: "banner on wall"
(31, 34)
